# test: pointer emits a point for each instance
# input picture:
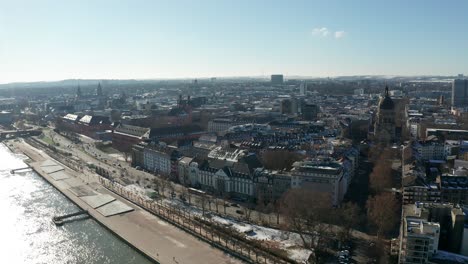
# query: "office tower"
(460, 92)
(303, 89)
(277, 79)
(310, 112)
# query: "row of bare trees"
(383, 207)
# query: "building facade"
(320, 176)
(385, 132)
(277, 79)
(420, 240)
(460, 92)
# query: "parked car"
(239, 212)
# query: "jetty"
(19, 169)
(59, 220)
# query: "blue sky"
(53, 40)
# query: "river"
(27, 234)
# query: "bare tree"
(171, 188)
(307, 213)
(225, 202)
(160, 185)
(127, 155)
(349, 217)
(381, 176)
(202, 201)
(218, 202)
(164, 185)
(185, 194)
(247, 211)
(277, 210)
(383, 212)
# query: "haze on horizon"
(55, 40)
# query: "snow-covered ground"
(289, 241)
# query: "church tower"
(99, 90)
(385, 123)
(78, 92)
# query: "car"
(234, 205)
(343, 258)
(138, 168)
(345, 246)
(239, 212)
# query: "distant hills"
(89, 82)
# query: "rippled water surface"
(27, 234)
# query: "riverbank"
(147, 233)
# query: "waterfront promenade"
(151, 235)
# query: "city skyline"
(53, 40)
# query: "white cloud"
(339, 34)
(321, 32)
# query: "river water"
(27, 234)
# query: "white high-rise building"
(359, 91)
(303, 88)
(420, 240)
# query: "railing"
(209, 231)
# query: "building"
(99, 90)
(359, 91)
(303, 89)
(158, 158)
(227, 172)
(184, 171)
(68, 122)
(429, 230)
(447, 134)
(125, 136)
(430, 150)
(454, 189)
(310, 111)
(421, 193)
(320, 176)
(222, 124)
(420, 240)
(94, 122)
(460, 92)
(271, 185)
(464, 245)
(385, 132)
(6, 118)
(277, 79)
(138, 158)
(289, 106)
(91, 126)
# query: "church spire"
(99, 90)
(78, 92)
